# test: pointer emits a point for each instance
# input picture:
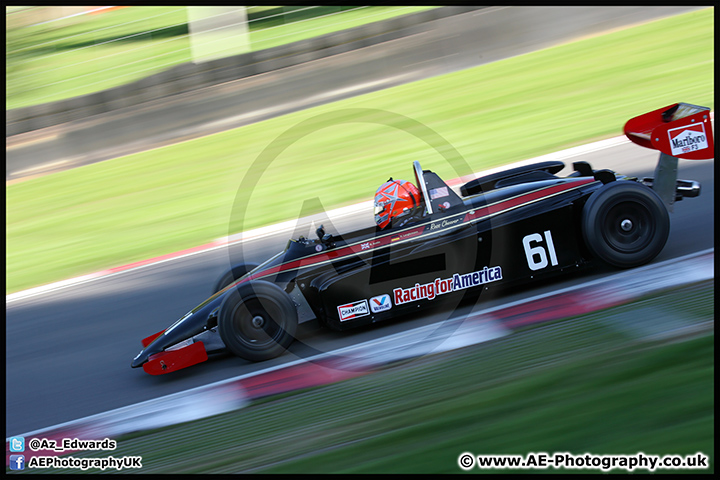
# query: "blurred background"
(142, 90)
(54, 53)
(129, 130)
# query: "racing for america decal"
(353, 310)
(442, 286)
(687, 139)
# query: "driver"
(395, 200)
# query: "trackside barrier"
(190, 76)
(357, 360)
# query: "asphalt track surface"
(69, 351)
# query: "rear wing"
(678, 131)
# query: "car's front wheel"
(625, 224)
(257, 321)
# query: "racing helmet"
(395, 199)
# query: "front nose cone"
(140, 358)
(138, 361)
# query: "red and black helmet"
(394, 199)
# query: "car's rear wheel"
(258, 321)
(233, 274)
(625, 224)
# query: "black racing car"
(510, 227)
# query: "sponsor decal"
(687, 139)
(442, 286)
(438, 193)
(445, 223)
(353, 310)
(380, 303)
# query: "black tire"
(233, 274)
(257, 321)
(625, 224)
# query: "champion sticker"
(353, 310)
(380, 303)
(687, 139)
(442, 286)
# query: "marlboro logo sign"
(687, 139)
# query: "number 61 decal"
(536, 256)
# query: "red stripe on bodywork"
(522, 199)
(148, 340)
(389, 238)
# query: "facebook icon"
(17, 462)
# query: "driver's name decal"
(441, 286)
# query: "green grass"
(156, 202)
(89, 53)
(578, 386)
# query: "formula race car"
(432, 245)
